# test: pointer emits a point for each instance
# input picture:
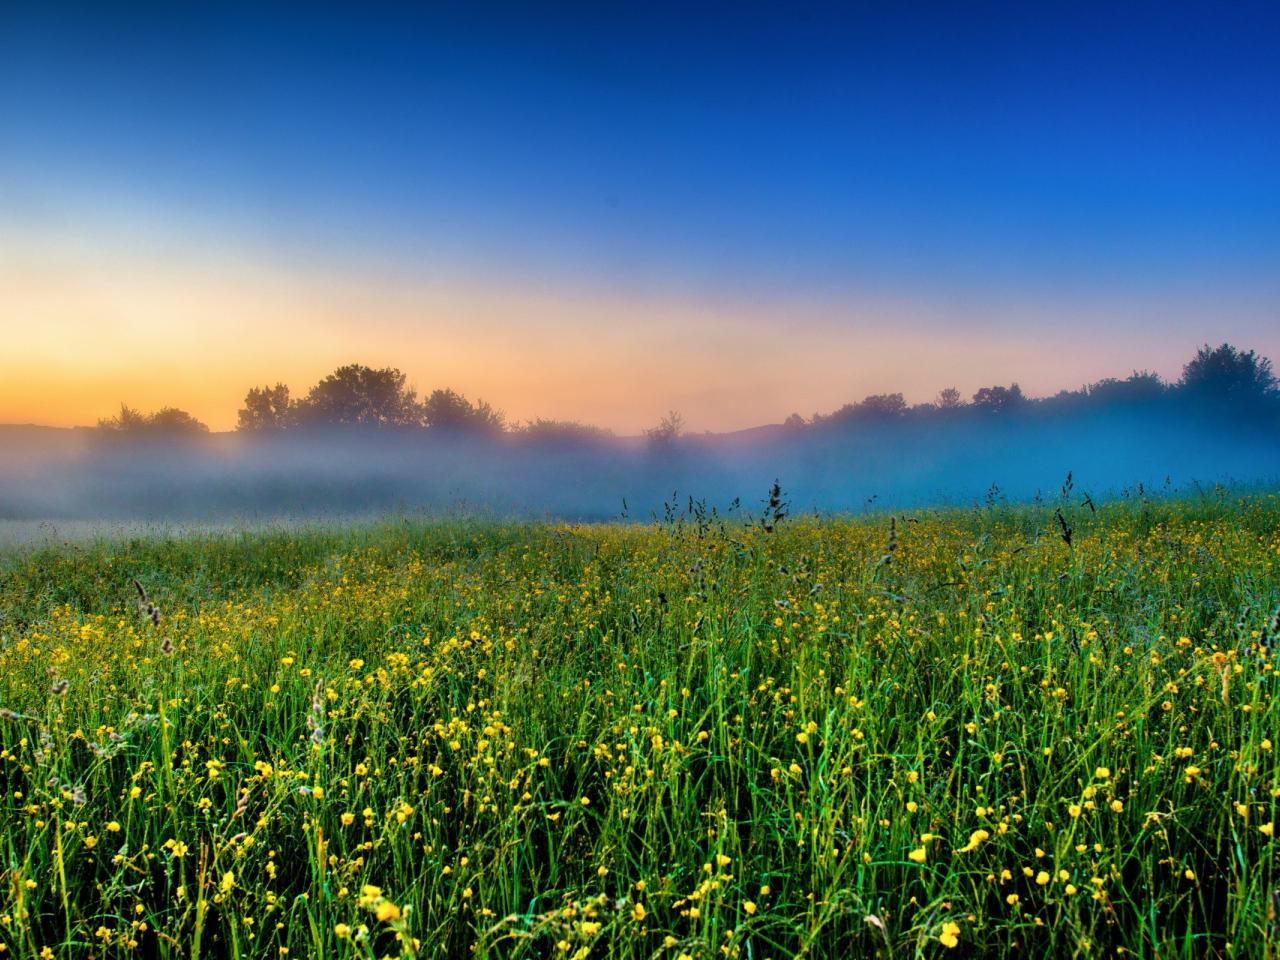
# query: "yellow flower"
(113, 826)
(638, 912)
(342, 931)
(1102, 773)
(386, 910)
(1042, 878)
(348, 819)
(748, 907)
(1116, 806)
(975, 838)
(950, 935)
(228, 881)
(918, 855)
(1267, 829)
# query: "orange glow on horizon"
(89, 326)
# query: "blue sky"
(853, 174)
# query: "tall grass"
(696, 739)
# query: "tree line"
(359, 396)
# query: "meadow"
(1041, 730)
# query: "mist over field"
(958, 457)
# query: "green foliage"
(841, 738)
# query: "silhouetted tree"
(795, 422)
(266, 408)
(1138, 387)
(949, 399)
(561, 431)
(1227, 373)
(667, 431)
(127, 420)
(165, 422)
(843, 414)
(359, 395)
(171, 420)
(999, 399)
(882, 406)
(449, 411)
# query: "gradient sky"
(602, 212)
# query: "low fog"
(956, 457)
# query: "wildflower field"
(997, 731)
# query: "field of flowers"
(1001, 731)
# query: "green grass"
(649, 741)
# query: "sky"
(603, 212)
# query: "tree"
(449, 411)
(667, 431)
(172, 421)
(1138, 387)
(1227, 373)
(562, 431)
(167, 422)
(359, 395)
(795, 422)
(883, 406)
(266, 408)
(949, 399)
(999, 399)
(128, 420)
